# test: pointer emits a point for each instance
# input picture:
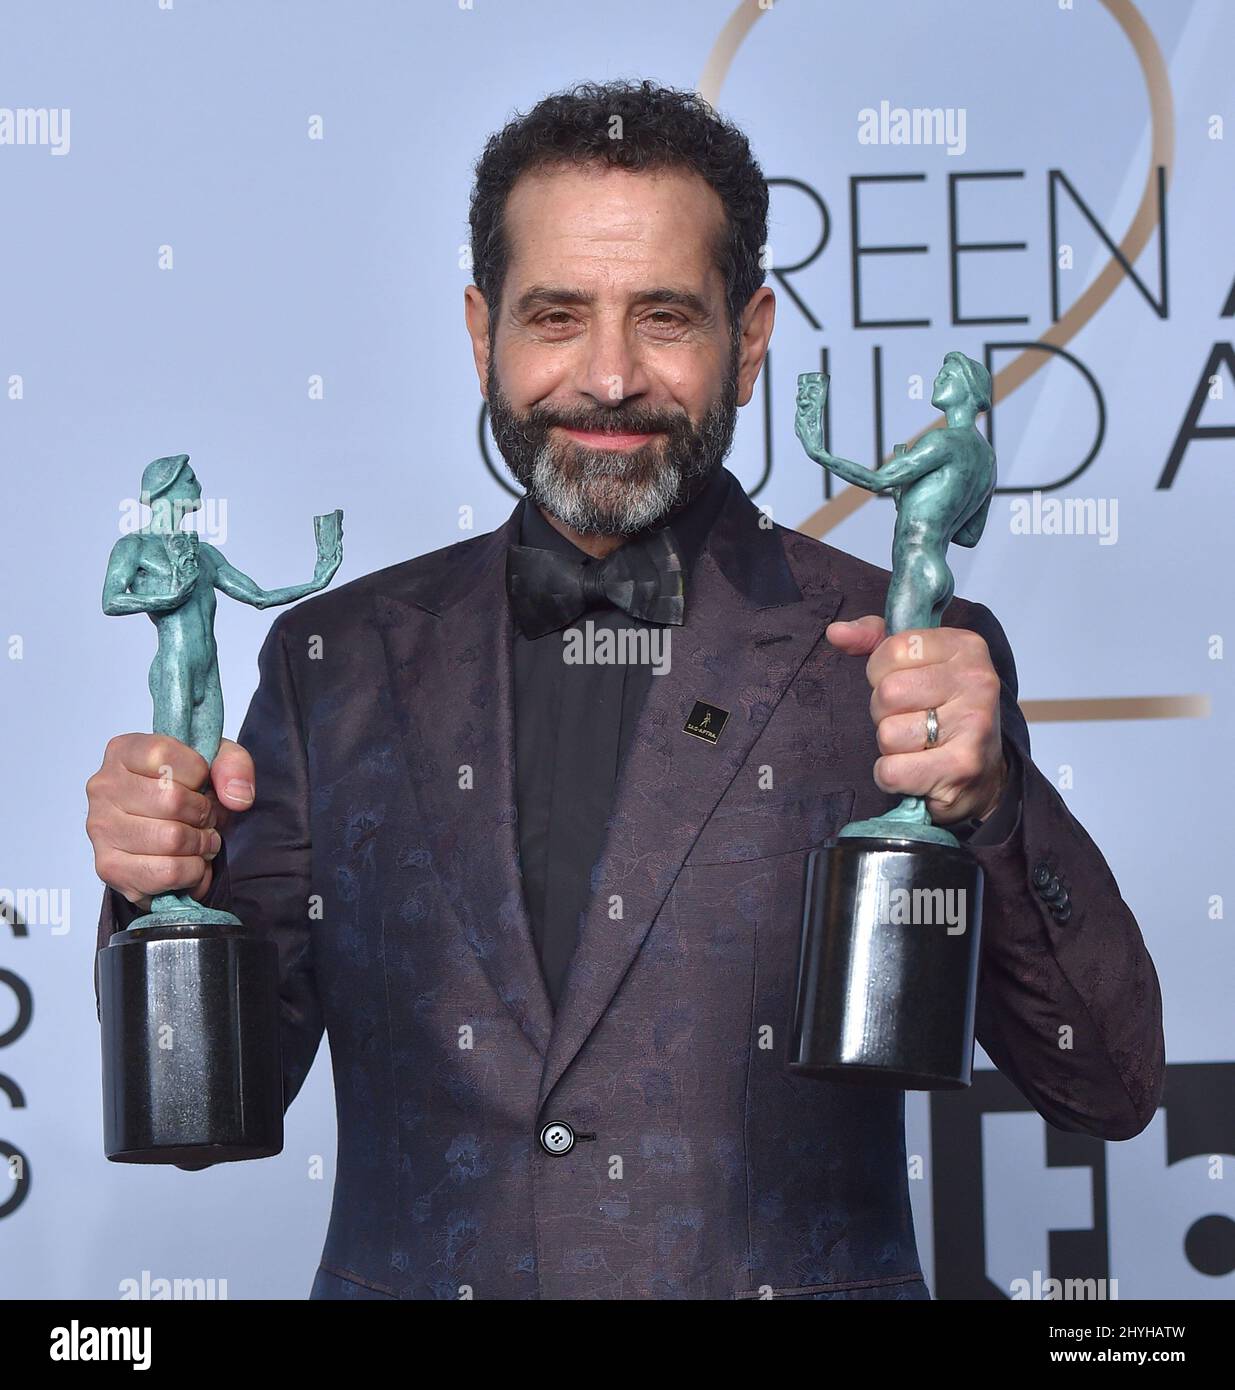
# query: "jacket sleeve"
(1069, 1006)
(262, 873)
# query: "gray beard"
(597, 501)
(600, 492)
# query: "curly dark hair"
(661, 128)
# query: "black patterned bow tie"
(549, 589)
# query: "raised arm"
(122, 567)
(229, 580)
(925, 456)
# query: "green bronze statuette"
(188, 995)
(886, 995)
(942, 487)
(171, 575)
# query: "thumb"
(232, 776)
(859, 637)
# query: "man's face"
(612, 376)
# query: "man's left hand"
(947, 669)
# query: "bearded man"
(547, 910)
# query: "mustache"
(608, 422)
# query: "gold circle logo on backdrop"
(1021, 368)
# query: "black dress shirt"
(573, 722)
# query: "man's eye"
(665, 322)
(562, 318)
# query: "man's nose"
(612, 367)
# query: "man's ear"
(757, 320)
(476, 317)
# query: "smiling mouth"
(607, 439)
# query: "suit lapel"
(451, 684)
(748, 630)
(450, 690)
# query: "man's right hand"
(152, 830)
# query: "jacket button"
(1041, 875)
(1053, 891)
(1062, 912)
(557, 1138)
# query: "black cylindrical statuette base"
(192, 1071)
(888, 974)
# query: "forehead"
(600, 226)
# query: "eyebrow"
(542, 295)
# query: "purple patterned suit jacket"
(382, 732)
